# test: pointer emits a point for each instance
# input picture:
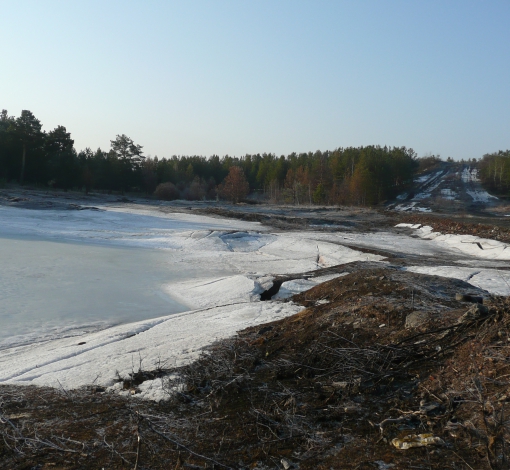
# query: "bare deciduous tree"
(235, 187)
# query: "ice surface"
(49, 289)
(127, 227)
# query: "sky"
(280, 76)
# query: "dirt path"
(451, 189)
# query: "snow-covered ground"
(429, 183)
(466, 244)
(457, 186)
(470, 175)
(411, 207)
(427, 178)
(480, 195)
(224, 265)
(495, 281)
(449, 194)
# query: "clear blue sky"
(235, 77)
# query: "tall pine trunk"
(23, 158)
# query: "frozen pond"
(50, 288)
(65, 273)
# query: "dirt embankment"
(375, 357)
(494, 229)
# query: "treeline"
(495, 171)
(362, 175)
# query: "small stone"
(474, 313)
(351, 409)
(286, 464)
(417, 440)
(473, 298)
(341, 385)
(416, 319)
(265, 329)
(431, 408)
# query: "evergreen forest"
(353, 175)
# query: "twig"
(182, 446)
(137, 446)
(114, 451)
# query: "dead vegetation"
(341, 385)
(495, 229)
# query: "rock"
(383, 466)
(474, 313)
(417, 440)
(431, 408)
(416, 319)
(340, 385)
(286, 464)
(351, 409)
(469, 298)
(265, 329)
